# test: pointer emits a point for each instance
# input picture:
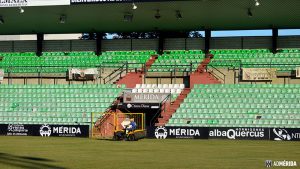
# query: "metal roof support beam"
(99, 38)
(207, 40)
(39, 44)
(274, 40)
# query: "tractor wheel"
(131, 137)
(115, 138)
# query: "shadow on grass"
(26, 162)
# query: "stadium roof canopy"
(196, 15)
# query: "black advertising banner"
(3, 129)
(141, 105)
(114, 1)
(239, 133)
(285, 134)
(44, 130)
(233, 133)
(163, 132)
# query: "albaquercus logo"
(234, 133)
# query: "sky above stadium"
(281, 32)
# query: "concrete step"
(162, 120)
(160, 124)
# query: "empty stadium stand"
(178, 60)
(240, 105)
(55, 104)
(286, 59)
(60, 62)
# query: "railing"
(271, 65)
(239, 62)
(219, 75)
(125, 67)
(162, 108)
(47, 71)
(173, 69)
(116, 73)
(240, 65)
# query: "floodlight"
(21, 10)
(62, 19)
(178, 15)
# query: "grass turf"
(54, 152)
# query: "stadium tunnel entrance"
(151, 111)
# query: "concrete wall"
(231, 78)
(151, 44)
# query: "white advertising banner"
(83, 74)
(259, 74)
(144, 97)
(19, 3)
(1, 74)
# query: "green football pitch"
(60, 153)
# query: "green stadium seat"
(54, 104)
(226, 105)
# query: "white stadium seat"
(145, 90)
(154, 86)
(165, 86)
(138, 86)
(158, 88)
(134, 91)
(151, 90)
(148, 86)
(176, 86)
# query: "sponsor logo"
(16, 130)
(238, 133)
(128, 98)
(161, 132)
(144, 97)
(129, 106)
(66, 131)
(11, 3)
(283, 163)
(45, 130)
(184, 133)
(281, 134)
(141, 106)
(268, 163)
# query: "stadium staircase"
(169, 110)
(133, 78)
(200, 76)
(103, 126)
